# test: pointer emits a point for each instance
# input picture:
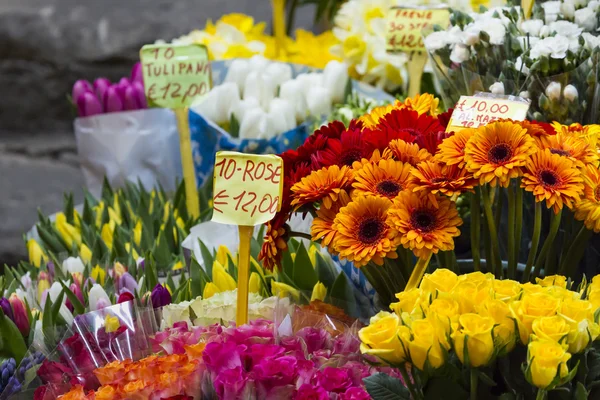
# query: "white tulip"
(243, 106)
(259, 86)
(497, 88)
(98, 298)
(73, 265)
(335, 78)
(310, 80)
(292, 92)
(257, 63)
(256, 125)
(553, 90)
(238, 70)
(64, 312)
(284, 109)
(218, 104)
(525, 94)
(279, 72)
(570, 92)
(319, 101)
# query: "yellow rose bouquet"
(478, 337)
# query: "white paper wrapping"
(127, 146)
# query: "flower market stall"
(299, 223)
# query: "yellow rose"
(477, 277)
(425, 345)
(506, 289)
(551, 328)
(37, 256)
(594, 299)
(545, 358)
(478, 333)
(531, 307)
(385, 338)
(504, 330)
(561, 293)
(580, 334)
(577, 309)
(531, 288)
(443, 313)
(408, 301)
(441, 280)
(468, 295)
(552, 280)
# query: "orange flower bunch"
(151, 377)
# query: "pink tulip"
(100, 86)
(140, 94)
(88, 105)
(130, 101)
(80, 87)
(136, 73)
(75, 288)
(20, 314)
(112, 100)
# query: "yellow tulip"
(137, 233)
(284, 290)
(179, 222)
(223, 255)
(111, 323)
(254, 285)
(319, 292)
(43, 285)
(69, 233)
(312, 255)
(210, 289)
(178, 265)
(545, 359)
(85, 253)
(385, 338)
(77, 220)
(37, 256)
(99, 210)
(116, 206)
(107, 233)
(98, 275)
(477, 331)
(425, 345)
(166, 211)
(256, 265)
(114, 216)
(221, 278)
(131, 251)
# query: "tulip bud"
(553, 90)
(112, 100)
(98, 298)
(136, 73)
(7, 308)
(124, 297)
(319, 292)
(218, 104)
(79, 88)
(283, 108)
(100, 86)
(319, 101)
(88, 105)
(525, 94)
(497, 88)
(309, 81)
(238, 70)
(127, 282)
(210, 289)
(123, 84)
(36, 253)
(160, 296)
(50, 267)
(257, 63)
(256, 125)
(254, 283)
(279, 72)
(130, 100)
(259, 86)
(335, 78)
(570, 92)
(292, 92)
(241, 108)
(77, 292)
(19, 314)
(72, 265)
(140, 95)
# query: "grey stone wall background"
(45, 45)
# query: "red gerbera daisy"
(343, 151)
(444, 118)
(332, 130)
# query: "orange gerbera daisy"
(385, 179)
(323, 185)
(452, 149)
(371, 119)
(377, 156)
(423, 104)
(553, 178)
(424, 227)
(588, 208)
(496, 151)
(406, 152)
(362, 233)
(589, 133)
(435, 177)
(322, 226)
(575, 149)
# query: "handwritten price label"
(247, 188)
(175, 75)
(404, 27)
(474, 111)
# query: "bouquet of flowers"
(385, 189)
(552, 59)
(488, 338)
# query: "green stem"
(300, 235)
(518, 222)
(554, 224)
(408, 382)
(487, 206)
(535, 240)
(475, 229)
(474, 381)
(568, 266)
(541, 395)
(512, 262)
(487, 244)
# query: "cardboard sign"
(405, 26)
(175, 75)
(474, 111)
(247, 188)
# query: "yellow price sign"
(405, 26)
(475, 111)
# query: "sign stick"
(416, 66)
(245, 233)
(527, 6)
(187, 161)
(279, 25)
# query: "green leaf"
(88, 214)
(107, 191)
(150, 269)
(78, 307)
(199, 278)
(383, 387)
(99, 251)
(69, 208)
(51, 239)
(234, 126)
(47, 322)
(304, 274)
(580, 392)
(161, 252)
(207, 257)
(12, 339)
(341, 294)
(56, 306)
(325, 270)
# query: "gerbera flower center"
(349, 156)
(560, 152)
(439, 179)
(423, 220)
(549, 178)
(370, 230)
(500, 153)
(389, 189)
(597, 193)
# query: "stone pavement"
(45, 45)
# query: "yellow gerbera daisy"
(362, 232)
(371, 119)
(575, 149)
(423, 104)
(323, 185)
(423, 226)
(497, 151)
(588, 208)
(589, 133)
(322, 226)
(385, 179)
(408, 152)
(452, 149)
(553, 178)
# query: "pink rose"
(230, 383)
(315, 338)
(222, 356)
(310, 392)
(258, 352)
(334, 379)
(276, 371)
(355, 393)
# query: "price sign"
(474, 111)
(404, 27)
(175, 75)
(247, 188)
